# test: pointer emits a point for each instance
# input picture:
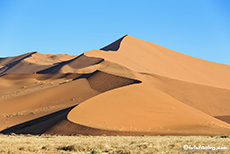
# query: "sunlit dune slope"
(72, 65)
(144, 108)
(147, 57)
(211, 100)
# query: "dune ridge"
(129, 87)
(30, 63)
(146, 57)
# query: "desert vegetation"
(29, 144)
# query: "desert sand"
(130, 87)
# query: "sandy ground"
(29, 144)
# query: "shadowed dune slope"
(143, 56)
(9, 60)
(103, 82)
(224, 118)
(113, 46)
(40, 125)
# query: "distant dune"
(129, 87)
(30, 63)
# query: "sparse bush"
(224, 136)
(142, 135)
(21, 148)
(66, 148)
(95, 151)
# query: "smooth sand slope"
(130, 87)
(211, 100)
(144, 108)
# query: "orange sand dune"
(39, 100)
(146, 57)
(30, 63)
(144, 108)
(31, 96)
(48, 59)
(8, 60)
(211, 100)
(71, 65)
(130, 87)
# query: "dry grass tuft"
(29, 144)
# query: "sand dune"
(30, 63)
(41, 99)
(144, 108)
(9, 60)
(211, 100)
(129, 87)
(146, 57)
(70, 66)
(48, 59)
(34, 95)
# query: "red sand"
(129, 87)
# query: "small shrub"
(142, 135)
(43, 148)
(224, 136)
(66, 148)
(95, 151)
(21, 148)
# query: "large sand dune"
(129, 87)
(145, 57)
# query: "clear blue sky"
(199, 28)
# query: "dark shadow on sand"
(113, 46)
(40, 125)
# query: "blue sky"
(199, 28)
